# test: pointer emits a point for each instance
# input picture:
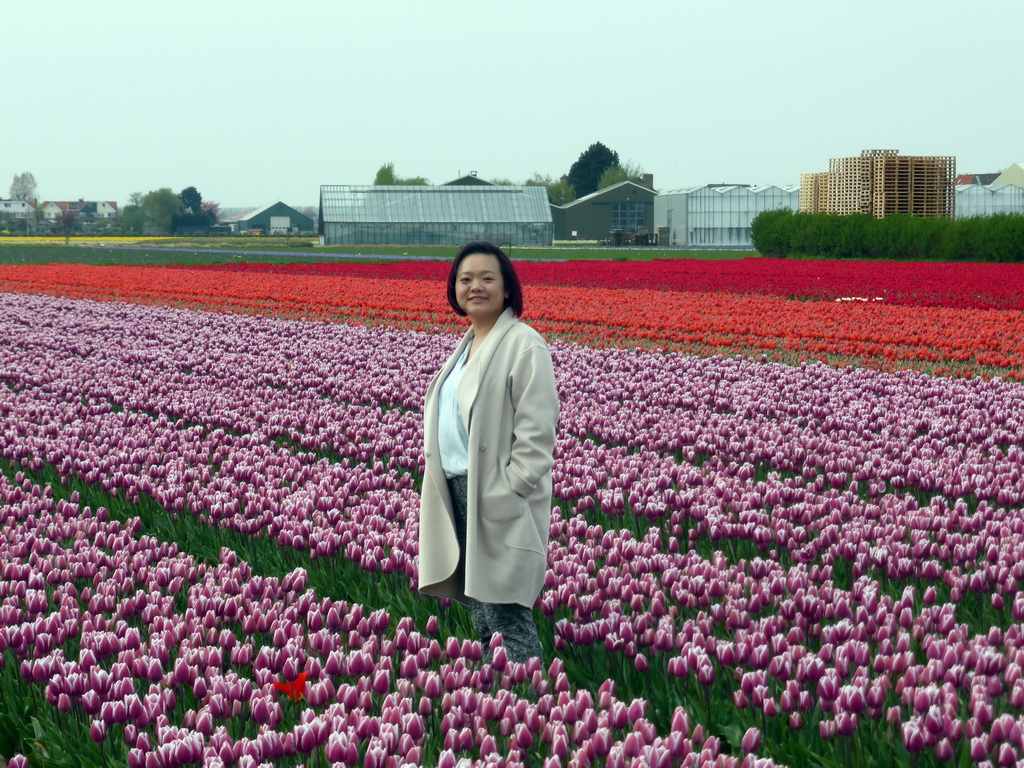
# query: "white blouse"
(452, 438)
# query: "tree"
(193, 214)
(771, 232)
(191, 201)
(560, 191)
(615, 174)
(66, 224)
(159, 207)
(24, 187)
(212, 208)
(386, 176)
(585, 173)
(131, 217)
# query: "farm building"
(273, 219)
(623, 209)
(451, 214)
(717, 214)
(1013, 175)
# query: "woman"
(489, 423)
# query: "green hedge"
(998, 238)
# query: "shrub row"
(996, 238)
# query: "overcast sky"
(257, 101)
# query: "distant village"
(629, 211)
(103, 217)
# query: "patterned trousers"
(512, 621)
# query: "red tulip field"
(787, 522)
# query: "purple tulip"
(381, 682)
(706, 674)
(846, 723)
(91, 702)
(979, 751)
(751, 740)
(98, 731)
(739, 416)
(944, 750)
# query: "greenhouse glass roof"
(442, 204)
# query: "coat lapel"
(470, 384)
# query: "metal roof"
(251, 214)
(436, 204)
(724, 189)
(605, 190)
(992, 189)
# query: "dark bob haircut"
(508, 276)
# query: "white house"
(16, 209)
(87, 210)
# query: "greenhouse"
(717, 214)
(981, 200)
(434, 215)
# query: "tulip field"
(787, 519)
(866, 314)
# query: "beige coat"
(507, 397)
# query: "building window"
(627, 217)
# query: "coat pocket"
(502, 504)
(504, 475)
(523, 534)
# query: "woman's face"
(480, 288)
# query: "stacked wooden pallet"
(915, 185)
(814, 192)
(881, 183)
(849, 185)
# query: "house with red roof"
(85, 210)
(976, 178)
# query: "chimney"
(648, 179)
